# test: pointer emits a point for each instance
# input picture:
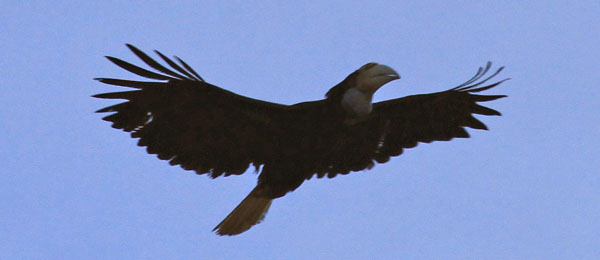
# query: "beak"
(372, 76)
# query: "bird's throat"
(357, 103)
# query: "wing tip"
(469, 85)
(132, 48)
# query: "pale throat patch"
(357, 103)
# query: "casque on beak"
(372, 76)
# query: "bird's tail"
(251, 211)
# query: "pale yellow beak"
(372, 76)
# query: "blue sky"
(73, 188)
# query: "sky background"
(71, 187)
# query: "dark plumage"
(201, 127)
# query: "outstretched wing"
(189, 122)
(402, 123)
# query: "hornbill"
(185, 120)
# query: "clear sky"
(71, 187)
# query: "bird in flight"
(189, 122)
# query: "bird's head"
(371, 76)
(368, 79)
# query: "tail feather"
(251, 211)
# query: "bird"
(181, 118)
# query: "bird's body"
(204, 128)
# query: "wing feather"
(137, 70)
(175, 66)
(152, 63)
(188, 68)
